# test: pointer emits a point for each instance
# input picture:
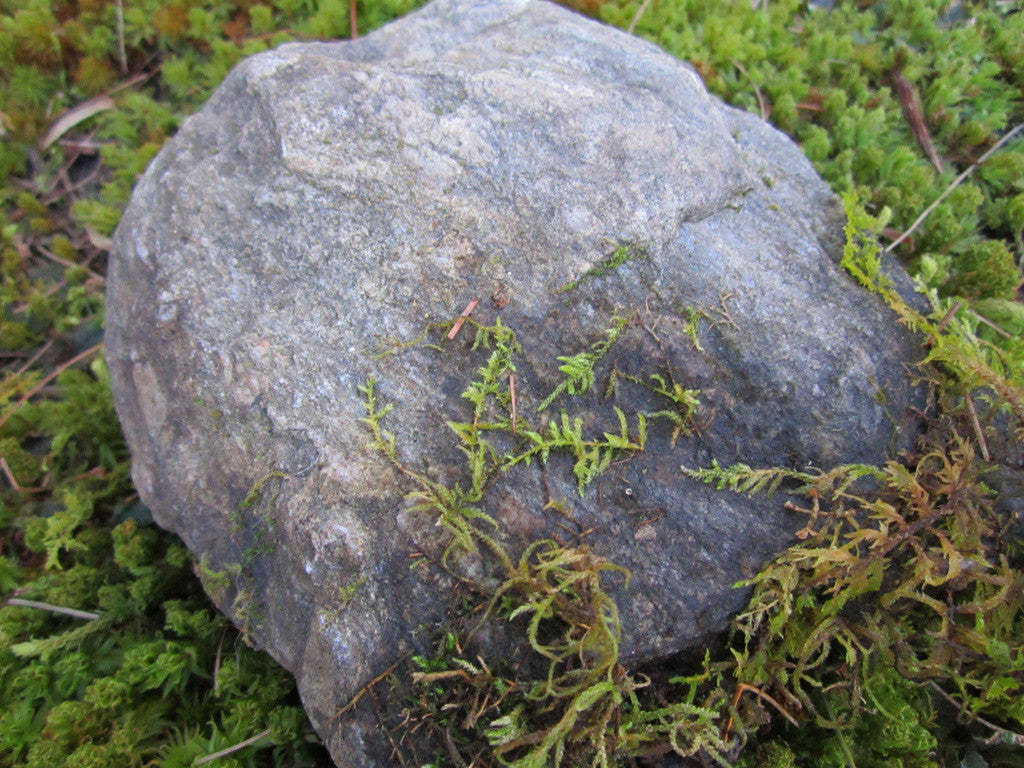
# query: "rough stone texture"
(332, 196)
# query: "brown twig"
(956, 183)
(762, 103)
(462, 319)
(362, 692)
(915, 118)
(70, 264)
(761, 695)
(48, 378)
(990, 324)
(1001, 735)
(14, 482)
(352, 22)
(122, 57)
(948, 316)
(982, 443)
(32, 360)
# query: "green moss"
(985, 270)
(160, 678)
(75, 692)
(827, 79)
(623, 253)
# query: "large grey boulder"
(333, 201)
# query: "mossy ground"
(892, 101)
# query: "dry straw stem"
(48, 378)
(999, 736)
(233, 748)
(122, 56)
(363, 691)
(14, 481)
(978, 433)
(512, 397)
(74, 116)
(47, 253)
(73, 612)
(636, 17)
(956, 183)
(743, 688)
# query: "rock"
(335, 206)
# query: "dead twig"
(741, 688)
(512, 398)
(990, 324)
(234, 748)
(48, 378)
(762, 103)
(948, 316)
(914, 116)
(637, 15)
(72, 612)
(32, 360)
(982, 443)
(956, 183)
(96, 276)
(433, 677)
(352, 22)
(122, 57)
(999, 736)
(14, 482)
(362, 692)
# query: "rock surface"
(333, 201)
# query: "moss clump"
(144, 671)
(832, 80)
(905, 591)
(985, 270)
(160, 680)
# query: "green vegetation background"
(90, 90)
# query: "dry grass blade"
(636, 17)
(73, 117)
(978, 433)
(915, 118)
(233, 748)
(512, 397)
(47, 253)
(14, 481)
(956, 183)
(1000, 735)
(48, 378)
(122, 56)
(72, 612)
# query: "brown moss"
(171, 21)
